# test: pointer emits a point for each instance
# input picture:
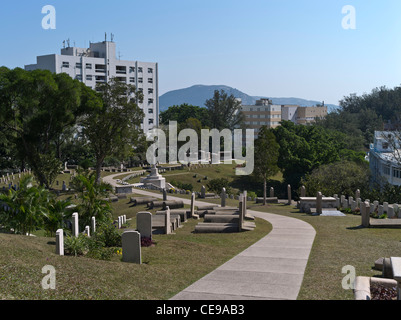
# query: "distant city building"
(99, 64)
(384, 158)
(265, 113)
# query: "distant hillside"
(198, 94)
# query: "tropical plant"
(22, 210)
(91, 197)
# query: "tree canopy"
(35, 109)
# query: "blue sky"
(274, 48)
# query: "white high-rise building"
(98, 64)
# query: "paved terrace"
(271, 269)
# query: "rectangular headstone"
(60, 242)
(75, 225)
(167, 221)
(271, 192)
(93, 224)
(87, 231)
(144, 224)
(131, 243)
(365, 214)
(319, 203)
(223, 197)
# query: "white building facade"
(384, 158)
(99, 64)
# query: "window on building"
(89, 66)
(78, 77)
(66, 64)
(150, 80)
(100, 68)
(140, 69)
(78, 65)
(131, 69)
(150, 101)
(386, 170)
(150, 91)
(132, 80)
(150, 111)
(396, 173)
(140, 80)
(121, 69)
(89, 77)
(150, 70)
(151, 121)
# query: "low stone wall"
(306, 204)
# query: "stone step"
(216, 228)
(214, 218)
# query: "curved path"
(271, 269)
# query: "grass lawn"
(175, 262)
(338, 243)
(188, 177)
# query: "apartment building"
(265, 113)
(306, 115)
(99, 64)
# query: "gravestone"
(164, 194)
(144, 224)
(193, 215)
(289, 194)
(390, 212)
(93, 224)
(373, 207)
(271, 192)
(241, 213)
(64, 187)
(357, 194)
(319, 204)
(203, 192)
(338, 204)
(365, 214)
(131, 243)
(223, 197)
(303, 192)
(385, 207)
(244, 200)
(87, 231)
(75, 225)
(380, 210)
(167, 221)
(353, 205)
(60, 242)
(350, 200)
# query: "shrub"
(217, 185)
(76, 246)
(107, 234)
(252, 194)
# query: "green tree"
(36, 107)
(184, 112)
(112, 127)
(343, 177)
(224, 111)
(266, 157)
(305, 148)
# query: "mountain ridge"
(198, 94)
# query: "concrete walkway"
(271, 269)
